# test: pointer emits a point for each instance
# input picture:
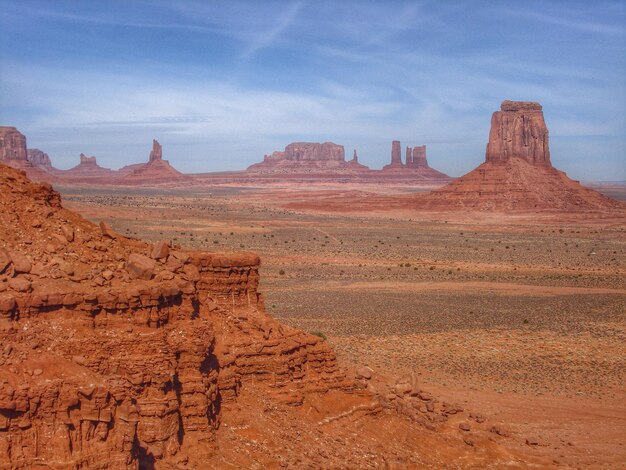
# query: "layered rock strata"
(119, 354)
(39, 159)
(12, 146)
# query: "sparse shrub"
(526, 321)
(281, 272)
(319, 334)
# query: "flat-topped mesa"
(38, 158)
(157, 151)
(314, 151)
(518, 130)
(12, 145)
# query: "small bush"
(281, 272)
(319, 334)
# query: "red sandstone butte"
(86, 169)
(39, 159)
(155, 171)
(13, 152)
(517, 174)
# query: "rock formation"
(355, 157)
(396, 156)
(418, 158)
(415, 167)
(110, 357)
(157, 151)
(87, 169)
(518, 130)
(118, 354)
(156, 170)
(12, 147)
(307, 157)
(39, 159)
(13, 152)
(517, 173)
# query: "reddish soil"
(517, 318)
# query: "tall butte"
(517, 174)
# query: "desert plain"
(520, 319)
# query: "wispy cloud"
(267, 37)
(558, 19)
(358, 73)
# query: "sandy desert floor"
(523, 322)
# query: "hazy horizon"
(220, 84)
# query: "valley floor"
(522, 323)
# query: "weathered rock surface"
(39, 159)
(518, 130)
(517, 173)
(101, 372)
(12, 146)
(157, 151)
(308, 157)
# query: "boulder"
(160, 250)
(21, 264)
(20, 284)
(140, 266)
(106, 230)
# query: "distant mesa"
(13, 152)
(12, 147)
(88, 168)
(517, 173)
(308, 157)
(39, 159)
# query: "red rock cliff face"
(12, 145)
(310, 151)
(518, 130)
(117, 354)
(38, 158)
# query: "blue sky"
(221, 83)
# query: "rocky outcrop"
(39, 159)
(12, 146)
(518, 130)
(113, 359)
(517, 174)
